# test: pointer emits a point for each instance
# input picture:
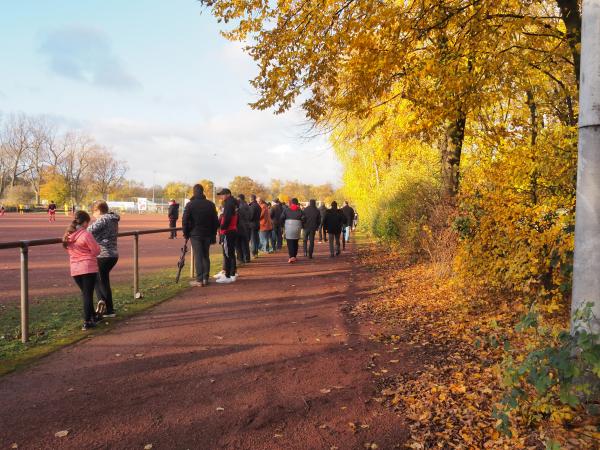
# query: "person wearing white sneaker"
(228, 235)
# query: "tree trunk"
(569, 11)
(586, 266)
(451, 152)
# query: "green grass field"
(56, 323)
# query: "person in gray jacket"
(105, 230)
(292, 219)
(312, 222)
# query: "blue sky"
(155, 82)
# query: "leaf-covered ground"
(456, 343)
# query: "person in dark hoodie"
(243, 238)
(276, 211)
(348, 212)
(322, 233)
(228, 231)
(292, 219)
(312, 222)
(173, 215)
(200, 225)
(333, 225)
(254, 225)
(105, 230)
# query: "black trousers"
(229, 263)
(254, 239)
(309, 242)
(243, 247)
(103, 289)
(292, 245)
(201, 248)
(336, 237)
(322, 234)
(173, 224)
(86, 284)
(277, 236)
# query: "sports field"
(48, 265)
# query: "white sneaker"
(225, 280)
(219, 275)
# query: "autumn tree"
(247, 186)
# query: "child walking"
(83, 251)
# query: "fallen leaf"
(117, 354)
(325, 391)
(62, 433)
(70, 390)
(147, 446)
(14, 445)
(220, 408)
(278, 435)
(139, 355)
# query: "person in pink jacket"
(83, 251)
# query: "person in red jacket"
(52, 211)
(83, 252)
(228, 235)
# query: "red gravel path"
(49, 268)
(275, 351)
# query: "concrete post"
(586, 270)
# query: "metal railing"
(24, 250)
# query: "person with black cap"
(322, 233)
(292, 219)
(276, 211)
(228, 234)
(312, 223)
(200, 224)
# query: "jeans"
(277, 237)
(229, 263)
(86, 284)
(243, 247)
(201, 248)
(347, 234)
(103, 289)
(173, 224)
(322, 234)
(292, 247)
(254, 239)
(336, 237)
(309, 243)
(266, 241)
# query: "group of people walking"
(244, 229)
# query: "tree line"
(39, 161)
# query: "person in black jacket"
(243, 239)
(349, 216)
(173, 215)
(333, 224)
(276, 211)
(312, 222)
(254, 225)
(228, 231)
(200, 224)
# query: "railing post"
(136, 266)
(192, 262)
(24, 292)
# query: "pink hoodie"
(83, 250)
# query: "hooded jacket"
(334, 221)
(83, 252)
(200, 218)
(348, 214)
(173, 211)
(244, 216)
(229, 218)
(255, 219)
(312, 217)
(276, 211)
(105, 230)
(265, 218)
(292, 218)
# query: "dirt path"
(270, 362)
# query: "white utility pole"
(586, 270)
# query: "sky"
(155, 82)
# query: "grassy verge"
(56, 323)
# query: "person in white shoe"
(228, 235)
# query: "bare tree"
(16, 139)
(35, 156)
(74, 164)
(106, 171)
